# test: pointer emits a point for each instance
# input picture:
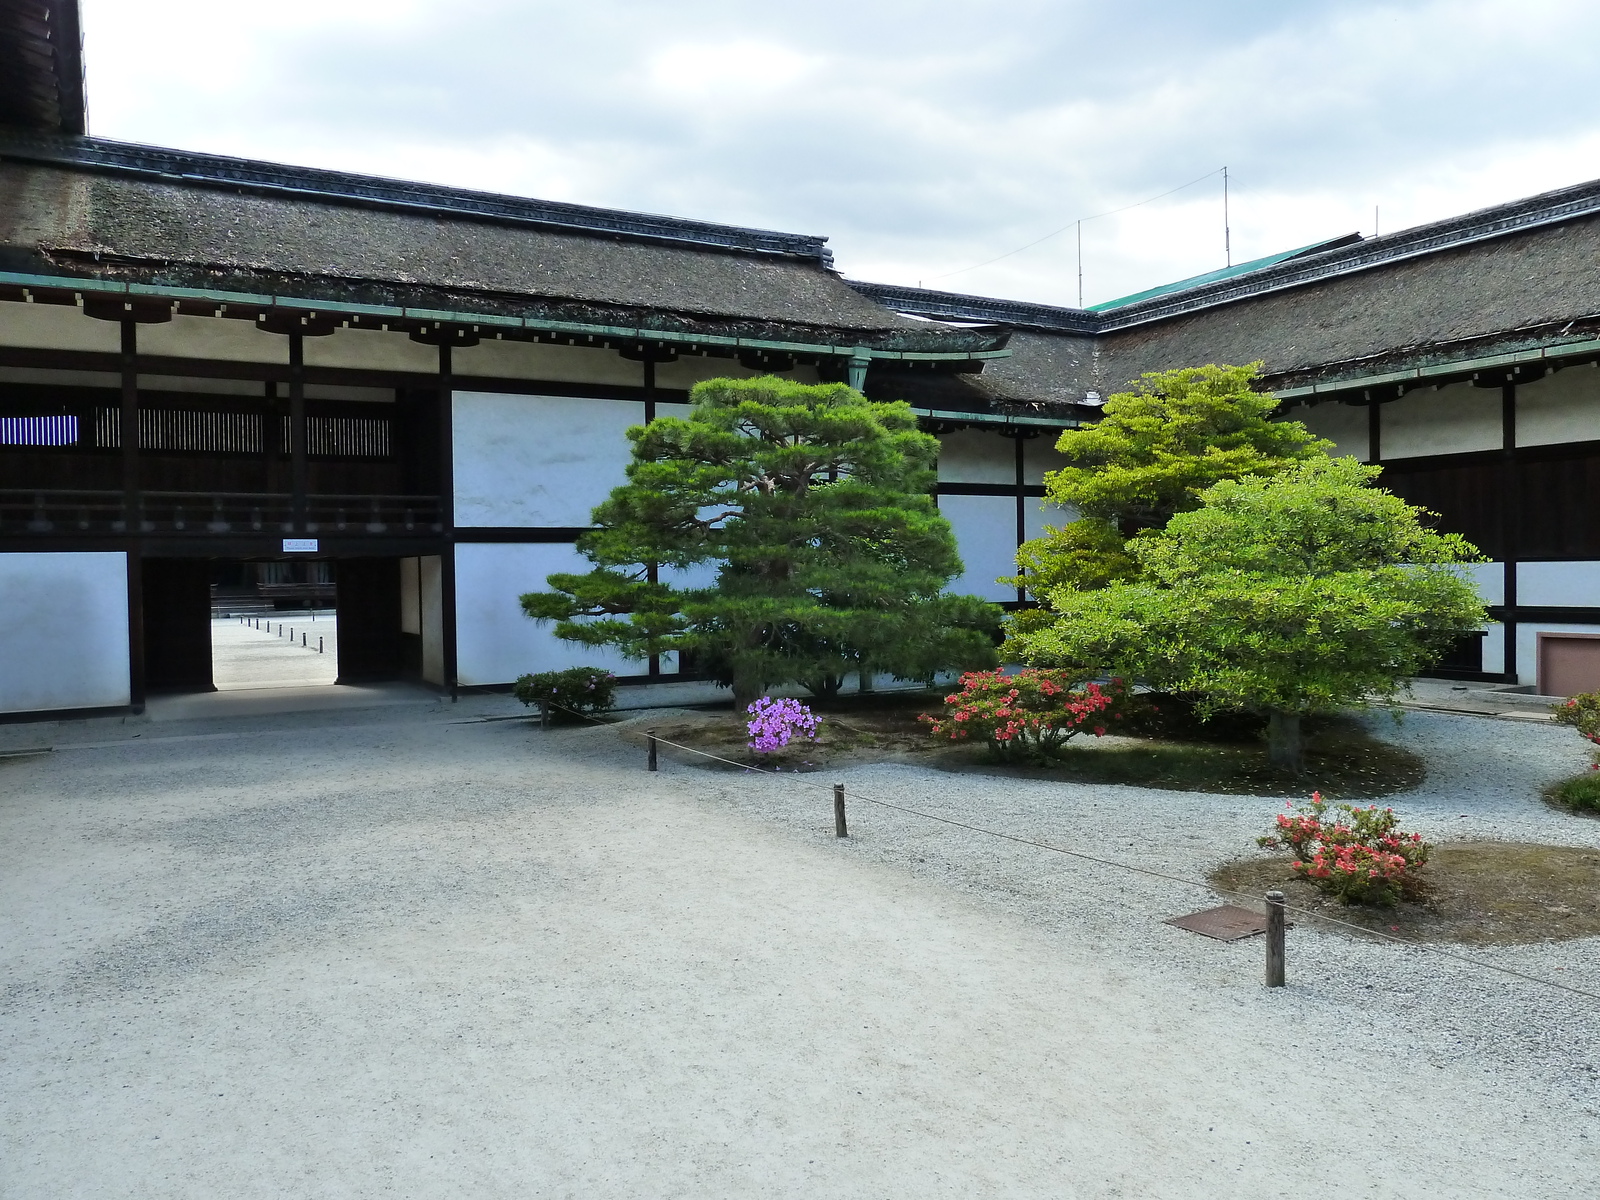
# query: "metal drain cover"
(1228, 923)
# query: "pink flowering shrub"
(1583, 713)
(774, 722)
(1028, 715)
(1358, 855)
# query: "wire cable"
(1152, 873)
(1110, 212)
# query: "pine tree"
(813, 506)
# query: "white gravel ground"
(402, 956)
(245, 657)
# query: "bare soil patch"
(1343, 759)
(1477, 893)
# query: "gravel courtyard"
(413, 952)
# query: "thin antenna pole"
(1374, 220)
(1227, 232)
(1080, 264)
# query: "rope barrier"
(1133, 868)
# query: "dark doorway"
(370, 645)
(177, 624)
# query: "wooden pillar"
(652, 571)
(272, 443)
(1510, 523)
(297, 430)
(1374, 431)
(1022, 512)
(132, 509)
(129, 428)
(447, 513)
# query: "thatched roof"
(87, 207)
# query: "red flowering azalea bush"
(1027, 715)
(1358, 855)
(1583, 713)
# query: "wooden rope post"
(1275, 925)
(839, 827)
(652, 736)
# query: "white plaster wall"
(495, 642)
(63, 631)
(430, 588)
(1563, 407)
(698, 576)
(367, 349)
(986, 534)
(57, 327)
(1342, 424)
(973, 456)
(1038, 514)
(537, 460)
(1040, 455)
(539, 360)
(1528, 646)
(1494, 648)
(96, 379)
(1448, 420)
(681, 411)
(1559, 584)
(411, 596)
(336, 391)
(216, 337)
(191, 383)
(693, 369)
(1489, 578)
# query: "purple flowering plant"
(774, 722)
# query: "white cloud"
(924, 137)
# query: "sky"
(928, 140)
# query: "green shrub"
(1581, 793)
(1029, 715)
(1359, 855)
(569, 694)
(1582, 712)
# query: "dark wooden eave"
(41, 66)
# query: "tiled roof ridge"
(215, 170)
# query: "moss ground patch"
(1343, 758)
(1580, 794)
(1475, 893)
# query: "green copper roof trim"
(972, 418)
(1216, 276)
(1516, 358)
(642, 333)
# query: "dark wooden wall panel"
(370, 646)
(177, 624)
(1559, 498)
(1467, 496)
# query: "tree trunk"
(746, 691)
(864, 679)
(1285, 749)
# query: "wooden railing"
(58, 513)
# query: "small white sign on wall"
(299, 545)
